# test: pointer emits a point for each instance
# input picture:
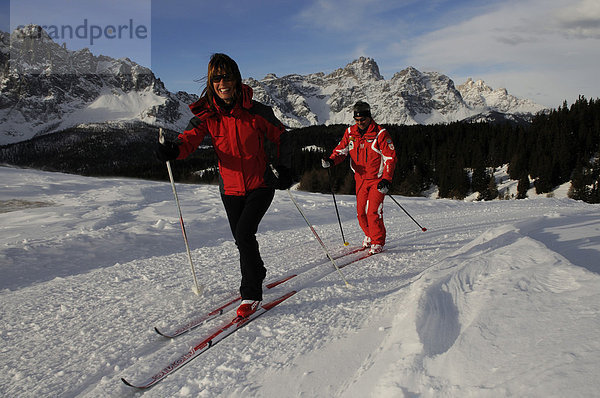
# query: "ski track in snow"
(495, 299)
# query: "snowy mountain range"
(46, 88)
(409, 97)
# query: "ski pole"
(197, 288)
(422, 228)
(329, 256)
(336, 208)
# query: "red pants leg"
(369, 209)
(362, 199)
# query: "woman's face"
(224, 86)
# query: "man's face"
(362, 122)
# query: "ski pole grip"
(274, 170)
(161, 136)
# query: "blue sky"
(545, 50)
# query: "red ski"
(205, 344)
(214, 313)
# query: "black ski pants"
(244, 214)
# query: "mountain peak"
(361, 69)
(479, 95)
(409, 71)
(31, 32)
(478, 85)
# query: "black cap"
(362, 109)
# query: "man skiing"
(372, 159)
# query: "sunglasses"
(218, 78)
(360, 119)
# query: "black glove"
(326, 162)
(167, 151)
(285, 178)
(384, 186)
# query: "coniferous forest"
(560, 146)
(459, 158)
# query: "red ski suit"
(372, 158)
(238, 137)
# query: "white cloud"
(535, 47)
(363, 21)
(581, 20)
(345, 16)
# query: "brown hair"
(224, 64)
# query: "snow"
(496, 299)
(113, 104)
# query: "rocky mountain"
(45, 88)
(409, 97)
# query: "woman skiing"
(239, 128)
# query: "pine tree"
(479, 180)
(491, 191)
(579, 189)
(523, 187)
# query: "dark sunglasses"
(360, 119)
(218, 78)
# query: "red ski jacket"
(372, 154)
(238, 137)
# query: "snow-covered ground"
(496, 299)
